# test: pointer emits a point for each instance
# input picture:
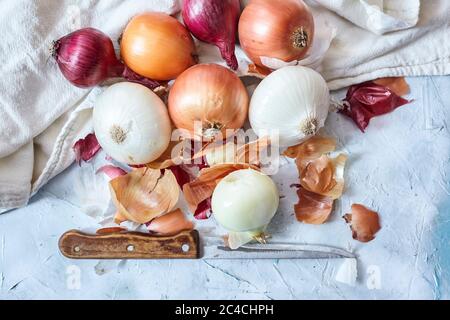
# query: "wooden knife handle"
(129, 245)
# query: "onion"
(292, 103)
(281, 29)
(87, 58)
(245, 202)
(157, 46)
(215, 22)
(207, 100)
(131, 123)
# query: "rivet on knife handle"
(129, 245)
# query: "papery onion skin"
(313, 208)
(131, 123)
(210, 94)
(368, 100)
(292, 102)
(157, 46)
(245, 201)
(144, 194)
(86, 57)
(215, 22)
(364, 223)
(170, 224)
(86, 149)
(282, 29)
(398, 85)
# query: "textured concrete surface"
(400, 167)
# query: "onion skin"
(157, 46)
(282, 29)
(215, 22)
(86, 57)
(210, 94)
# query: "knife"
(185, 245)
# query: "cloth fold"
(42, 115)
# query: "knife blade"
(275, 251)
(120, 244)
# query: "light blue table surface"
(411, 254)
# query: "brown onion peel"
(170, 157)
(324, 176)
(321, 178)
(364, 223)
(180, 153)
(281, 29)
(170, 224)
(398, 85)
(312, 148)
(144, 194)
(234, 152)
(313, 208)
(208, 101)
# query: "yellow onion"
(281, 29)
(157, 46)
(207, 100)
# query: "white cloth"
(357, 55)
(42, 115)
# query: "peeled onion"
(292, 103)
(131, 123)
(281, 29)
(157, 46)
(207, 100)
(245, 201)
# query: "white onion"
(292, 102)
(245, 201)
(132, 123)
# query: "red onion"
(87, 58)
(215, 22)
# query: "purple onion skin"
(87, 58)
(215, 22)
